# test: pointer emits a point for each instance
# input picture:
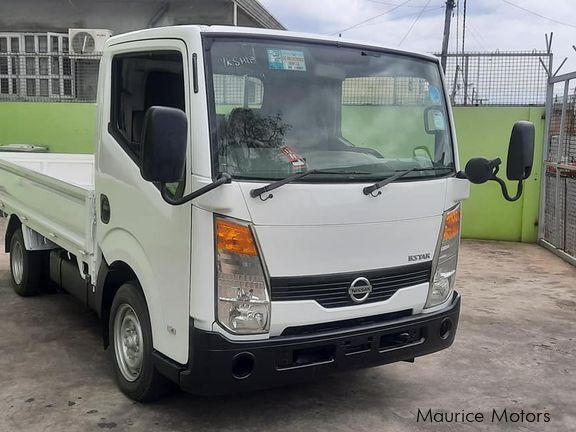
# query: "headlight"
(445, 259)
(243, 300)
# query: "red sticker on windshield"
(297, 161)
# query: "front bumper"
(219, 366)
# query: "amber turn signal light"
(452, 224)
(235, 238)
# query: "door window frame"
(147, 46)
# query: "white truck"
(262, 207)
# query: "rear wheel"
(131, 347)
(27, 267)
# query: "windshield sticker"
(297, 161)
(434, 95)
(236, 62)
(291, 60)
(439, 123)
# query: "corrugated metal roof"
(260, 14)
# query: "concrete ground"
(514, 349)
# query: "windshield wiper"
(275, 185)
(369, 190)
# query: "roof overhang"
(255, 9)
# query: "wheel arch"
(124, 260)
(13, 224)
(110, 279)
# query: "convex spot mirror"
(479, 170)
(164, 141)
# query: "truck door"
(134, 224)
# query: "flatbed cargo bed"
(53, 194)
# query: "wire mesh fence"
(558, 213)
(43, 69)
(563, 152)
(48, 77)
(385, 91)
(498, 78)
(46, 67)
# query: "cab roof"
(181, 32)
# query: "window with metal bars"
(40, 67)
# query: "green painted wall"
(485, 131)
(482, 131)
(63, 127)
(363, 126)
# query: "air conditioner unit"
(88, 41)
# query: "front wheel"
(131, 346)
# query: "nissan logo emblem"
(360, 289)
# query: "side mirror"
(520, 151)
(518, 167)
(164, 140)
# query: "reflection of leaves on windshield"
(247, 130)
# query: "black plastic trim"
(285, 360)
(311, 329)
(167, 367)
(98, 296)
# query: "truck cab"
(266, 207)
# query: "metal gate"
(557, 229)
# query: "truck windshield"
(282, 107)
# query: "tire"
(26, 267)
(130, 334)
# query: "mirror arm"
(461, 175)
(507, 196)
(223, 179)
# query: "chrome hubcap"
(128, 342)
(17, 262)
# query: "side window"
(139, 81)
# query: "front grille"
(331, 291)
(352, 323)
